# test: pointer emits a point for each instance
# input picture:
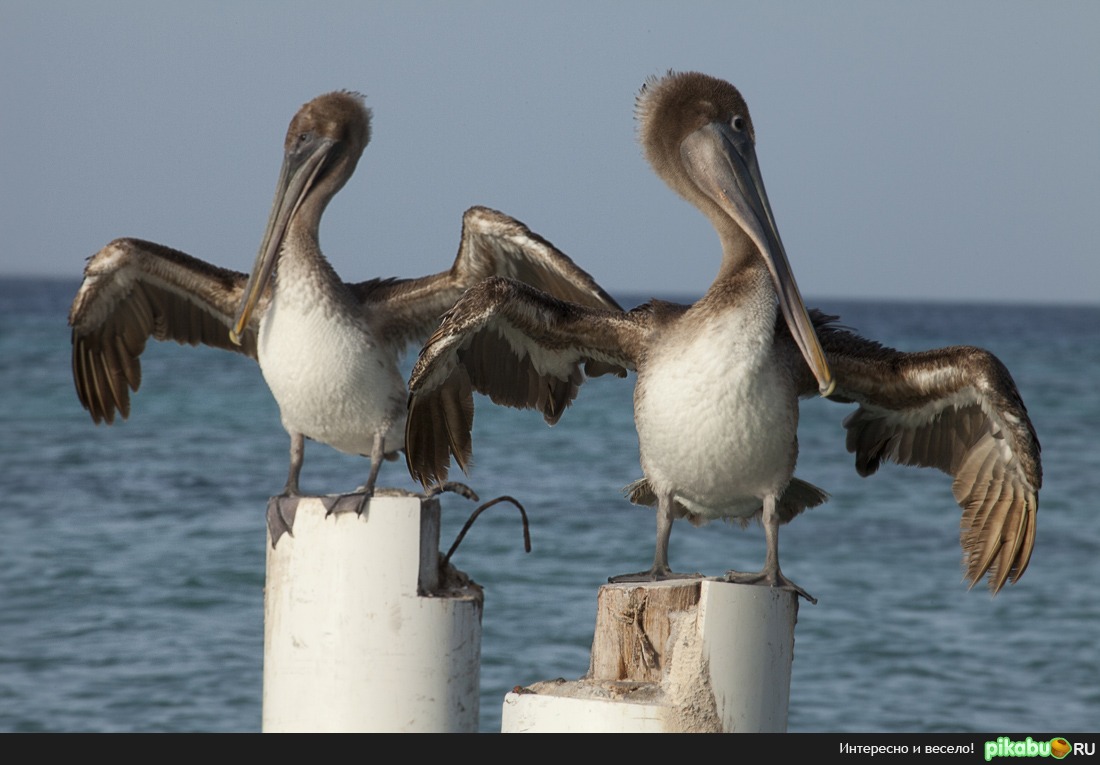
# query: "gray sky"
(944, 150)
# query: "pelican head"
(323, 145)
(697, 134)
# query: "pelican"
(718, 384)
(329, 350)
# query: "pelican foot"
(775, 579)
(281, 511)
(355, 501)
(435, 491)
(655, 574)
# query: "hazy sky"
(946, 150)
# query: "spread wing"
(134, 290)
(492, 244)
(520, 347)
(956, 409)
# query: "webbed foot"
(281, 510)
(654, 574)
(355, 501)
(773, 579)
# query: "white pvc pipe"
(358, 636)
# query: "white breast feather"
(332, 381)
(717, 420)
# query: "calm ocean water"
(131, 590)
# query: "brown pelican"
(329, 350)
(718, 382)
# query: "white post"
(676, 656)
(360, 633)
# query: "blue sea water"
(132, 576)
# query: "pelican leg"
(660, 570)
(282, 508)
(377, 456)
(360, 498)
(770, 574)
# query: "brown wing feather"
(956, 409)
(135, 290)
(406, 311)
(517, 345)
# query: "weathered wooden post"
(678, 656)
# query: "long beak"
(723, 164)
(300, 169)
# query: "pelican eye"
(301, 142)
(737, 123)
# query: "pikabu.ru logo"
(1056, 748)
